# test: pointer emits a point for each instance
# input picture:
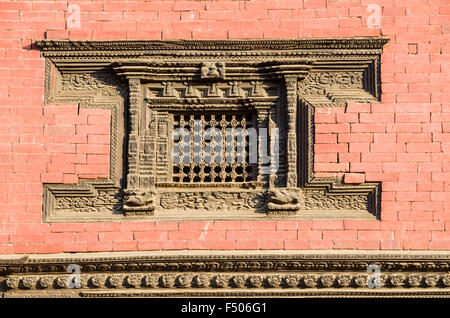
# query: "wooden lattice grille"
(213, 147)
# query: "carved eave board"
(211, 129)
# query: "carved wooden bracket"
(165, 93)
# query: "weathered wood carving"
(212, 129)
(360, 274)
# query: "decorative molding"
(313, 273)
(146, 84)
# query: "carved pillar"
(262, 122)
(139, 195)
(147, 157)
(133, 137)
(163, 149)
(291, 105)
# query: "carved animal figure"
(138, 198)
(282, 197)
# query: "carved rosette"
(360, 280)
(134, 280)
(183, 281)
(115, 281)
(220, 281)
(397, 280)
(291, 280)
(151, 280)
(239, 281)
(201, 281)
(167, 281)
(327, 280)
(274, 281)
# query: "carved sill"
(148, 85)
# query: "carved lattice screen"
(171, 99)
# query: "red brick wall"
(404, 141)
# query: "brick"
(86, 237)
(238, 235)
(439, 245)
(115, 236)
(309, 234)
(320, 245)
(380, 157)
(271, 244)
(356, 137)
(415, 215)
(159, 225)
(399, 186)
(124, 246)
(296, 244)
(368, 245)
(368, 128)
(376, 118)
(222, 245)
(361, 225)
(409, 176)
(366, 167)
(188, 5)
(199, 245)
(349, 157)
(326, 148)
(74, 246)
(67, 227)
(149, 246)
(399, 167)
(332, 128)
(354, 178)
(327, 225)
(25, 248)
(151, 236)
(429, 186)
(331, 167)
(246, 245)
(173, 245)
(226, 225)
(388, 147)
(258, 225)
(136, 226)
(339, 235)
(327, 157)
(423, 147)
(428, 226)
(269, 235)
(184, 235)
(326, 138)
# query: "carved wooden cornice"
(276, 83)
(212, 273)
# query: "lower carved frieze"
(213, 200)
(232, 280)
(273, 201)
(255, 273)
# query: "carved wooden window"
(211, 147)
(174, 104)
